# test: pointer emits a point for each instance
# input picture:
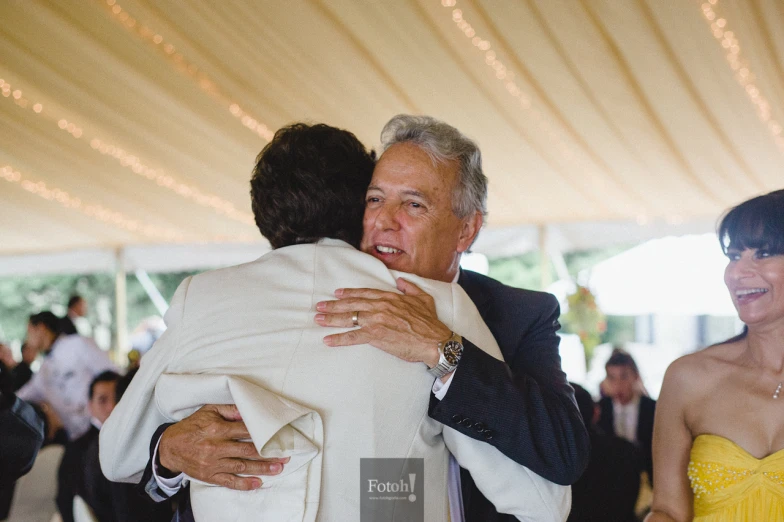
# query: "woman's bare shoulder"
(695, 369)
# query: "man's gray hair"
(444, 143)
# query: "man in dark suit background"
(627, 412)
(75, 472)
(77, 307)
(424, 208)
(608, 489)
(80, 470)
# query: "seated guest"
(20, 372)
(21, 436)
(71, 363)
(607, 490)
(73, 474)
(80, 471)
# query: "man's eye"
(372, 200)
(763, 253)
(414, 204)
(733, 256)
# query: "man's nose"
(386, 219)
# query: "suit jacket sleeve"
(126, 434)
(67, 473)
(524, 406)
(512, 488)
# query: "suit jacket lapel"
(472, 286)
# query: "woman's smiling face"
(755, 279)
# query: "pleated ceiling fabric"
(130, 122)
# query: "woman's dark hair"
(756, 223)
(49, 320)
(309, 183)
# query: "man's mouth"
(386, 250)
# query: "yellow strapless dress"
(730, 485)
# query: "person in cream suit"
(245, 335)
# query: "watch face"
(452, 352)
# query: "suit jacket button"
(488, 435)
(457, 418)
(467, 423)
(479, 427)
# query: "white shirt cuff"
(440, 388)
(170, 486)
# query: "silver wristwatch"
(450, 352)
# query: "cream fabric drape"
(133, 121)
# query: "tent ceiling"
(126, 122)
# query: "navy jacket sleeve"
(524, 407)
(147, 485)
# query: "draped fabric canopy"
(131, 122)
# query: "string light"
(92, 210)
(185, 66)
(135, 164)
(524, 100)
(742, 70)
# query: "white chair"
(34, 497)
(81, 511)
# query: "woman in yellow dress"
(718, 442)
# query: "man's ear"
(471, 226)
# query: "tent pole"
(544, 259)
(121, 308)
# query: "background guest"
(19, 372)
(71, 363)
(608, 488)
(77, 307)
(626, 411)
(74, 473)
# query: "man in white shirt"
(627, 412)
(75, 315)
(69, 366)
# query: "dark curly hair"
(309, 183)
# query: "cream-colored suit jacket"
(246, 335)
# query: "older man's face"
(409, 223)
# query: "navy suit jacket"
(525, 407)
(644, 428)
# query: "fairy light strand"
(92, 210)
(523, 99)
(133, 162)
(187, 67)
(742, 72)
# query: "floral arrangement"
(585, 319)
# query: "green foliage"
(520, 271)
(22, 296)
(139, 304)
